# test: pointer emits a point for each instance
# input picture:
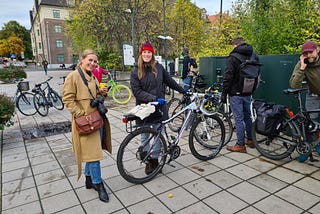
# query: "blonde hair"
(84, 54)
(142, 66)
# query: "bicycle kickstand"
(312, 159)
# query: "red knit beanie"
(146, 46)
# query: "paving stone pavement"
(40, 175)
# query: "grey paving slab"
(273, 205)
(39, 175)
(224, 202)
(181, 198)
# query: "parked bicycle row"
(276, 133)
(39, 100)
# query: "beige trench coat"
(76, 98)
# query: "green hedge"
(6, 111)
(12, 74)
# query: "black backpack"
(249, 73)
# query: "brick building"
(47, 32)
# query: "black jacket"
(185, 66)
(150, 87)
(231, 74)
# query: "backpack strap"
(241, 57)
(86, 82)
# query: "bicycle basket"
(23, 86)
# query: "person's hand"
(303, 65)
(223, 98)
(185, 91)
(161, 101)
(104, 92)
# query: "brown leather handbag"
(89, 123)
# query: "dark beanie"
(146, 46)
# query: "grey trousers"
(313, 102)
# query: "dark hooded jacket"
(151, 87)
(231, 75)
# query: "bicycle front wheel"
(174, 106)
(121, 94)
(136, 150)
(56, 100)
(25, 104)
(279, 146)
(41, 105)
(207, 136)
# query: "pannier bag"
(269, 116)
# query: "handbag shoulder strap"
(86, 82)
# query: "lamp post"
(164, 34)
(48, 43)
(132, 31)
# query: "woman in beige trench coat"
(87, 148)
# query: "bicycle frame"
(189, 109)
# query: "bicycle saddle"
(294, 90)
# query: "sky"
(18, 10)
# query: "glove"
(161, 101)
(223, 98)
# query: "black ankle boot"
(151, 166)
(88, 182)
(103, 195)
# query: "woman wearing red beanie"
(147, 80)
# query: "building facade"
(47, 32)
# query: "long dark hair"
(143, 65)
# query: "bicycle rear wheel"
(25, 104)
(121, 94)
(279, 146)
(41, 105)
(56, 100)
(174, 106)
(206, 137)
(132, 156)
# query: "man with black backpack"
(240, 87)
(187, 65)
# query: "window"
(39, 45)
(56, 14)
(38, 32)
(58, 28)
(59, 44)
(60, 58)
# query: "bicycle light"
(124, 120)
(290, 113)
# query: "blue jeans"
(187, 82)
(240, 107)
(93, 169)
(156, 150)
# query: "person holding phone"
(308, 69)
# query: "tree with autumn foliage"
(8, 37)
(11, 45)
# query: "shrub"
(12, 74)
(6, 111)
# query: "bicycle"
(43, 100)
(121, 94)
(206, 138)
(197, 86)
(211, 105)
(294, 131)
(23, 99)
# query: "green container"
(275, 73)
